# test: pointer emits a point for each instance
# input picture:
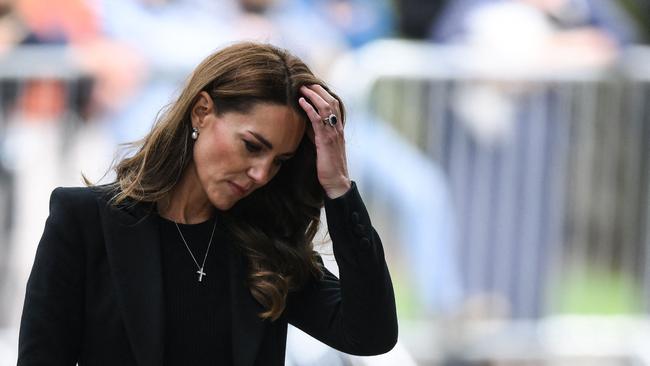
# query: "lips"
(238, 189)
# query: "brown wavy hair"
(275, 225)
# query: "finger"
(324, 109)
(324, 94)
(311, 132)
(314, 117)
(333, 102)
(320, 128)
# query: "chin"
(224, 205)
(222, 201)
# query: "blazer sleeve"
(355, 314)
(51, 329)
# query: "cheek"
(204, 161)
(215, 159)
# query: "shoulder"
(71, 197)
(73, 214)
(79, 204)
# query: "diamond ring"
(331, 120)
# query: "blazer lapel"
(133, 249)
(247, 327)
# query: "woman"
(201, 251)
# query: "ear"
(203, 107)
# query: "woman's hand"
(331, 163)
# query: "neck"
(187, 203)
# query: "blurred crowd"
(132, 54)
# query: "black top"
(96, 297)
(197, 314)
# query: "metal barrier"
(549, 174)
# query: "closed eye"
(252, 147)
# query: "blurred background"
(502, 147)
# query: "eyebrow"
(266, 142)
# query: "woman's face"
(237, 153)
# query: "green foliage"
(595, 291)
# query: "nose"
(261, 172)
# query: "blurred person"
(201, 250)
(42, 100)
(510, 126)
(526, 37)
(319, 42)
(545, 35)
(39, 111)
(417, 17)
(359, 21)
(75, 23)
(159, 31)
(12, 29)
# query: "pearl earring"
(195, 133)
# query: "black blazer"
(95, 293)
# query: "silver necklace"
(200, 271)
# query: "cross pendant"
(201, 274)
